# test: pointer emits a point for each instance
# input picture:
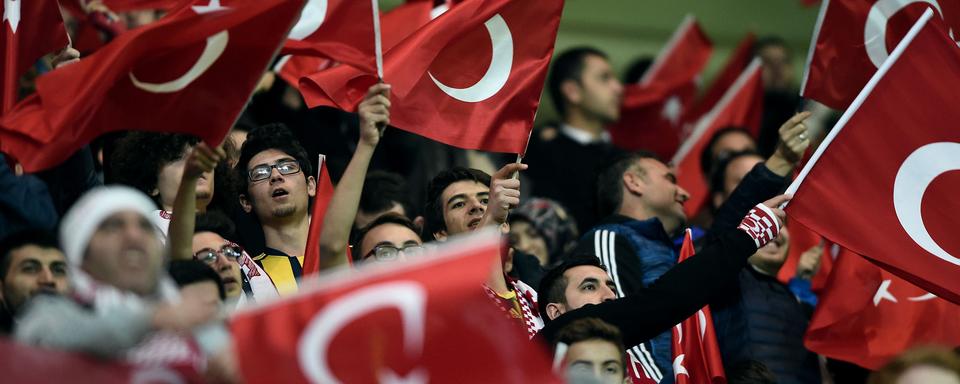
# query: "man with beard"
(30, 264)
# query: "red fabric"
(741, 105)
(453, 49)
(867, 315)
(76, 103)
(311, 258)
(341, 30)
(651, 117)
(26, 364)
(427, 317)
(906, 129)
(739, 59)
(801, 240)
(35, 32)
(696, 353)
(840, 65)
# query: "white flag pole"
(376, 38)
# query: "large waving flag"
(191, 72)
(416, 321)
(883, 184)
(696, 354)
(853, 38)
(448, 89)
(341, 30)
(31, 29)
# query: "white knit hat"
(85, 216)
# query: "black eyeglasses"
(388, 252)
(209, 255)
(285, 167)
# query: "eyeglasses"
(387, 252)
(285, 167)
(209, 255)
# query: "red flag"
(26, 364)
(191, 72)
(884, 182)
(340, 30)
(801, 240)
(851, 39)
(31, 30)
(420, 320)
(311, 258)
(738, 60)
(696, 354)
(867, 315)
(448, 86)
(651, 117)
(740, 106)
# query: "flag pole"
(378, 47)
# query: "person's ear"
(311, 186)
(554, 310)
(572, 91)
(440, 235)
(419, 222)
(634, 183)
(717, 199)
(245, 204)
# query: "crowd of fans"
(145, 241)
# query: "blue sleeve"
(24, 202)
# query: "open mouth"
(279, 192)
(473, 224)
(228, 280)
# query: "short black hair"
(553, 285)
(186, 272)
(218, 223)
(14, 241)
(390, 218)
(568, 66)
(719, 171)
(749, 372)
(771, 41)
(609, 181)
(592, 328)
(271, 136)
(381, 190)
(139, 157)
(706, 157)
(433, 207)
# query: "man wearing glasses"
(279, 186)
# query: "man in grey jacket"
(122, 304)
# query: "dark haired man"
(594, 349)
(645, 208)
(564, 160)
(389, 237)
(383, 193)
(30, 264)
(581, 287)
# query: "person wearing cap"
(123, 305)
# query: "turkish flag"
(311, 258)
(341, 30)
(420, 320)
(884, 182)
(696, 354)
(31, 29)
(739, 59)
(470, 78)
(191, 72)
(851, 40)
(651, 117)
(868, 316)
(740, 106)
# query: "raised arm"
(202, 159)
(374, 114)
(504, 196)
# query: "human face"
(600, 90)
(586, 284)
(279, 196)
(33, 270)
(525, 238)
(777, 69)
(391, 235)
(771, 256)
(661, 196)
(228, 268)
(464, 203)
(736, 171)
(168, 182)
(598, 358)
(363, 218)
(125, 252)
(730, 142)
